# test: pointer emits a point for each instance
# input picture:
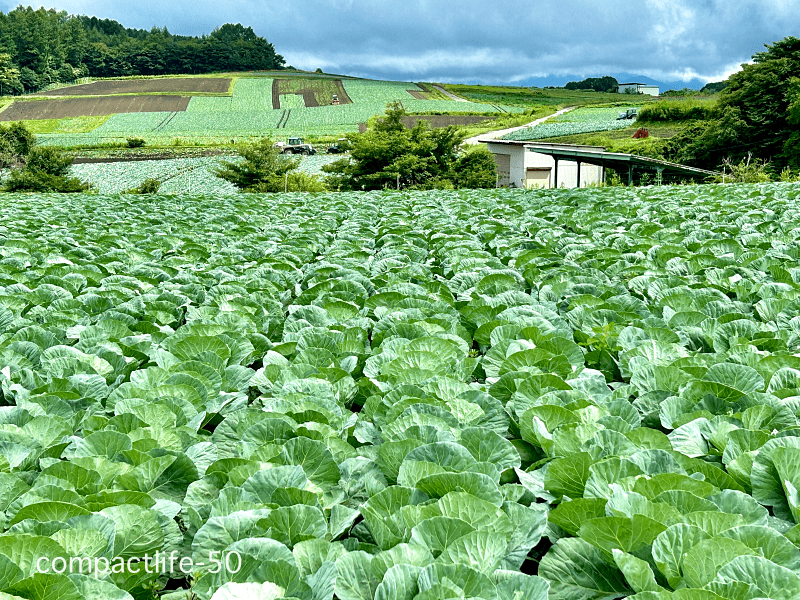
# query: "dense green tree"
(9, 75)
(389, 154)
(753, 116)
(264, 169)
(46, 169)
(714, 87)
(48, 46)
(598, 84)
(476, 168)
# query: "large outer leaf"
(577, 570)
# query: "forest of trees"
(40, 47)
(598, 84)
(757, 116)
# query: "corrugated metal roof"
(597, 155)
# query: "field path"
(449, 94)
(493, 135)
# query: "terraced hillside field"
(496, 395)
(257, 107)
(211, 85)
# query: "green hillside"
(276, 104)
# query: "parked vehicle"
(631, 113)
(339, 146)
(295, 145)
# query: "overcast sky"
(533, 42)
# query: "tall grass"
(675, 110)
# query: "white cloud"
(504, 41)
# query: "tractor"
(295, 145)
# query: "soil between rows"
(210, 85)
(102, 105)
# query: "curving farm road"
(492, 135)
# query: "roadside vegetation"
(689, 109)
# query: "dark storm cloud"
(499, 42)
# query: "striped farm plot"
(582, 120)
(248, 114)
(365, 90)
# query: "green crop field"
(574, 122)
(529, 97)
(248, 114)
(177, 175)
(497, 395)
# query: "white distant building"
(520, 166)
(638, 88)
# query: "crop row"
(581, 120)
(497, 395)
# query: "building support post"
(659, 175)
(630, 175)
(579, 174)
(555, 179)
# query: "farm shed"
(638, 88)
(519, 163)
(533, 164)
(620, 162)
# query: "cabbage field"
(177, 175)
(248, 114)
(498, 395)
(581, 120)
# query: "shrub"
(148, 186)
(135, 142)
(15, 143)
(263, 169)
(675, 110)
(46, 170)
(48, 159)
(33, 180)
(747, 170)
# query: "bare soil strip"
(103, 105)
(437, 121)
(209, 85)
(276, 94)
(163, 156)
(343, 97)
(418, 95)
(309, 98)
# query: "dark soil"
(210, 85)
(104, 105)
(133, 158)
(418, 95)
(437, 121)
